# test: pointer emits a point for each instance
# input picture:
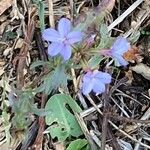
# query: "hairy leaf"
(61, 121)
(77, 144)
(94, 61)
(53, 80)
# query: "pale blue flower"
(62, 40)
(120, 46)
(95, 80)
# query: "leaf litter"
(116, 119)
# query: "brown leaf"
(5, 4)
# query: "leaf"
(104, 31)
(41, 9)
(142, 69)
(105, 41)
(94, 61)
(61, 121)
(55, 79)
(77, 144)
(38, 63)
(135, 36)
(21, 107)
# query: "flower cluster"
(62, 41)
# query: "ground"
(42, 105)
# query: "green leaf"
(94, 61)
(105, 41)
(77, 144)
(135, 36)
(41, 8)
(104, 31)
(38, 63)
(55, 79)
(61, 121)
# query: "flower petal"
(98, 87)
(54, 48)
(66, 52)
(87, 87)
(51, 35)
(120, 46)
(87, 77)
(102, 76)
(64, 27)
(74, 37)
(120, 61)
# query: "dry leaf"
(142, 69)
(19, 43)
(59, 146)
(5, 4)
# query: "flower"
(95, 80)
(62, 40)
(120, 46)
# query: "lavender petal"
(120, 46)
(74, 37)
(87, 88)
(54, 49)
(66, 52)
(120, 61)
(51, 35)
(64, 27)
(98, 87)
(103, 77)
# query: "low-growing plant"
(69, 47)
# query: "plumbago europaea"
(74, 47)
(63, 46)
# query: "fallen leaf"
(19, 43)
(59, 146)
(142, 69)
(4, 5)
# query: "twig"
(123, 132)
(139, 22)
(85, 131)
(74, 80)
(125, 14)
(25, 48)
(89, 111)
(72, 8)
(41, 122)
(51, 13)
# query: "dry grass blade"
(117, 128)
(125, 14)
